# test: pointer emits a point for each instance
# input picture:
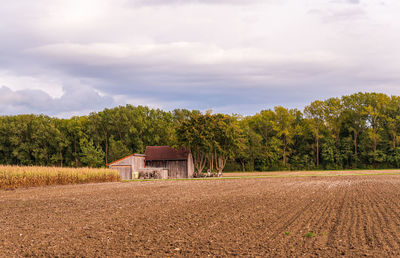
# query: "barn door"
(125, 172)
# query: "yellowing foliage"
(23, 176)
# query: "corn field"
(24, 176)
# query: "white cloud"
(80, 101)
(51, 86)
(186, 2)
(196, 53)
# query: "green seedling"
(310, 234)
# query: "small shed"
(159, 162)
(128, 164)
(179, 162)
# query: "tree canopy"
(361, 130)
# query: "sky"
(66, 58)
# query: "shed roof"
(165, 153)
(134, 154)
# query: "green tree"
(193, 134)
(315, 119)
(226, 133)
(117, 150)
(91, 155)
(355, 120)
(249, 145)
(283, 125)
(262, 124)
(374, 111)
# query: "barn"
(179, 162)
(160, 162)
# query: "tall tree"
(283, 125)
(315, 119)
(263, 125)
(91, 155)
(354, 117)
(193, 134)
(226, 133)
(374, 111)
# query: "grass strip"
(265, 176)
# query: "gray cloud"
(24, 101)
(74, 101)
(72, 57)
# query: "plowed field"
(312, 216)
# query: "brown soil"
(349, 215)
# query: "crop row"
(24, 176)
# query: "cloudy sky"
(65, 58)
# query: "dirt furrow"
(388, 221)
(350, 216)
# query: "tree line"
(361, 130)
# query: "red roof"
(165, 153)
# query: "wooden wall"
(125, 172)
(137, 162)
(128, 165)
(176, 168)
